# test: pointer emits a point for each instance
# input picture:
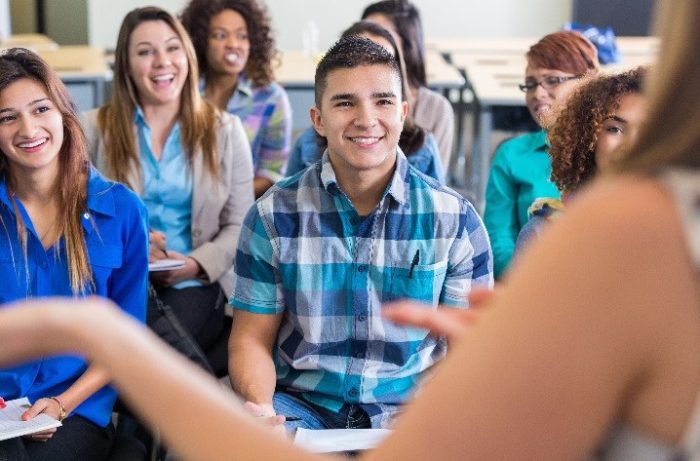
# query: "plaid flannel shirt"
(306, 252)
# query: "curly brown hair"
(196, 18)
(574, 135)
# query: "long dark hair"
(71, 185)
(407, 22)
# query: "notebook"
(331, 440)
(11, 424)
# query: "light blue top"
(167, 189)
(116, 238)
(306, 151)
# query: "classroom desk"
(296, 73)
(84, 70)
(35, 42)
(494, 77)
(297, 70)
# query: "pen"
(286, 418)
(416, 258)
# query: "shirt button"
(43, 264)
(352, 392)
(361, 318)
(197, 232)
(362, 268)
(86, 215)
(354, 221)
(358, 355)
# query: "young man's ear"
(315, 115)
(404, 110)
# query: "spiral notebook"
(11, 424)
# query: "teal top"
(520, 173)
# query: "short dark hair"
(350, 52)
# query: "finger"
(2, 403)
(273, 421)
(38, 407)
(479, 296)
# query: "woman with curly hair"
(601, 117)
(235, 48)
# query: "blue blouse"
(306, 151)
(116, 236)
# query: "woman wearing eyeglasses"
(521, 167)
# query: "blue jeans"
(312, 416)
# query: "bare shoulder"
(629, 211)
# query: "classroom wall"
(443, 18)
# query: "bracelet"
(63, 413)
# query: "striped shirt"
(304, 251)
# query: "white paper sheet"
(166, 265)
(330, 440)
(11, 424)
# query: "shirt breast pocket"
(419, 282)
(104, 259)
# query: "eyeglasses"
(547, 83)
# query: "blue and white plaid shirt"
(305, 251)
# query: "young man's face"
(361, 116)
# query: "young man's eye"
(343, 104)
(6, 119)
(385, 102)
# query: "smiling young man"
(322, 250)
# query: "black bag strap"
(168, 327)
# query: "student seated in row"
(429, 110)
(418, 145)
(189, 162)
(321, 252)
(601, 118)
(521, 168)
(235, 50)
(64, 231)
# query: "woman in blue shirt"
(419, 146)
(189, 162)
(61, 235)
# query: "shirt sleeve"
(501, 211)
(256, 282)
(128, 283)
(276, 139)
(470, 261)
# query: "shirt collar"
(540, 140)
(98, 198)
(139, 118)
(244, 85)
(397, 187)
